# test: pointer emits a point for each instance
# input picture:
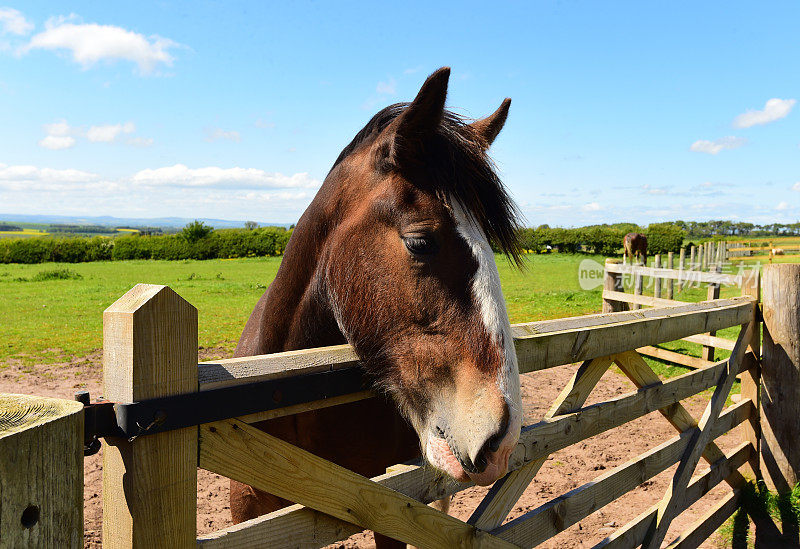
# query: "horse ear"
(489, 127)
(421, 117)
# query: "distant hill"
(110, 221)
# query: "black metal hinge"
(134, 419)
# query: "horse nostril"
(494, 442)
(480, 462)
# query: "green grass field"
(52, 318)
(53, 312)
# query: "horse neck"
(294, 313)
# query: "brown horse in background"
(635, 245)
(394, 256)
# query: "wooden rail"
(615, 299)
(537, 441)
(333, 502)
(539, 345)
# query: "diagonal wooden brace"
(241, 452)
(633, 365)
(505, 493)
(672, 502)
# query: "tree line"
(721, 227)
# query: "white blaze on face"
(488, 295)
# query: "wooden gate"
(150, 484)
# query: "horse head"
(413, 209)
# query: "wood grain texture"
(640, 373)
(694, 276)
(549, 435)
(656, 279)
(713, 293)
(594, 336)
(308, 528)
(539, 345)
(780, 389)
(150, 484)
(708, 523)
(646, 300)
(41, 472)
(612, 282)
(751, 378)
(238, 451)
(692, 362)
(634, 532)
(670, 281)
(714, 341)
(505, 493)
(560, 513)
(674, 499)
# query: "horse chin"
(441, 456)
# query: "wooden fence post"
(657, 280)
(670, 282)
(751, 378)
(780, 410)
(613, 283)
(713, 293)
(637, 285)
(703, 256)
(150, 484)
(41, 472)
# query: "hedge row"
(270, 241)
(225, 243)
(599, 239)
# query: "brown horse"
(635, 245)
(394, 256)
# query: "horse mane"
(459, 169)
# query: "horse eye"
(420, 245)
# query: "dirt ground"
(563, 471)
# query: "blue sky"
(636, 111)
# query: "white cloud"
(233, 193)
(140, 141)
(109, 133)
(13, 22)
(34, 178)
(92, 43)
(180, 175)
(796, 187)
(654, 190)
(591, 207)
(387, 88)
(57, 128)
(782, 206)
(774, 109)
(713, 147)
(57, 142)
(263, 123)
(215, 134)
(60, 135)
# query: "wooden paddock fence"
(663, 281)
(150, 483)
(729, 250)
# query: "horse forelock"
(455, 167)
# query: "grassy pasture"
(51, 316)
(52, 312)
